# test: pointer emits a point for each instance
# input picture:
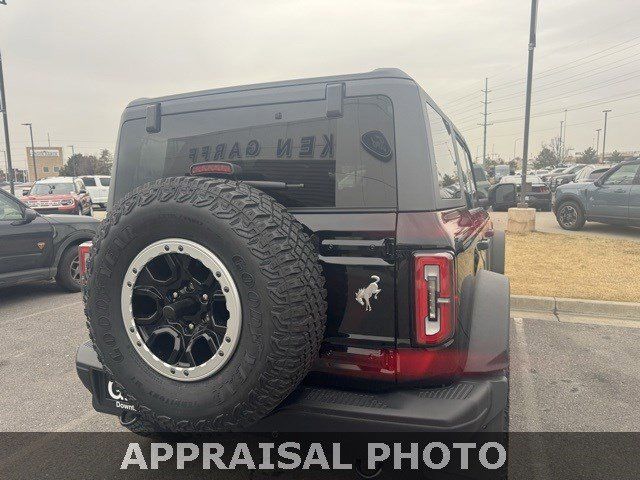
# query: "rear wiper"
(266, 185)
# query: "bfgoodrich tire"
(252, 255)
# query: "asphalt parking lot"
(564, 376)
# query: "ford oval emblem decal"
(375, 143)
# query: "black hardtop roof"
(377, 73)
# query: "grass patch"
(552, 265)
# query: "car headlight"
(66, 202)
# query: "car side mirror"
(25, 192)
(598, 183)
(484, 203)
(502, 196)
(28, 217)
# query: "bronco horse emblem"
(363, 295)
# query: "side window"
(9, 209)
(105, 181)
(467, 174)
(623, 176)
(445, 157)
(89, 181)
(45, 169)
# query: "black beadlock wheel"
(205, 302)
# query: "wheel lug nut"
(191, 327)
(175, 295)
(205, 297)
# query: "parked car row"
(70, 195)
(613, 198)
(597, 193)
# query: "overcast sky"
(72, 65)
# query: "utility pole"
(604, 135)
(485, 124)
(33, 151)
(3, 108)
(598, 141)
(73, 160)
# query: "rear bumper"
(469, 405)
(539, 200)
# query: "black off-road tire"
(64, 277)
(280, 285)
(580, 217)
(497, 252)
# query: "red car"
(59, 195)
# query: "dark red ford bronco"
(309, 254)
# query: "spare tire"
(205, 302)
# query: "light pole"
(33, 151)
(73, 160)
(598, 141)
(6, 163)
(3, 109)
(604, 135)
(564, 135)
(560, 142)
(527, 112)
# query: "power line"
(556, 111)
(566, 95)
(565, 47)
(558, 82)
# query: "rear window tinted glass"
(105, 181)
(446, 164)
(89, 181)
(344, 162)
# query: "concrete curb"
(574, 306)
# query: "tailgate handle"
(334, 95)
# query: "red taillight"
(83, 255)
(435, 300)
(214, 168)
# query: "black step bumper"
(469, 405)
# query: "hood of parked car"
(65, 196)
(80, 221)
(572, 187)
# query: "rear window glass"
(105, 181)
(446, 163)
(346, 162)
(89, 182)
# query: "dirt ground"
(553, 265)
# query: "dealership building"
(48, 162)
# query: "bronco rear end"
(417, 308)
